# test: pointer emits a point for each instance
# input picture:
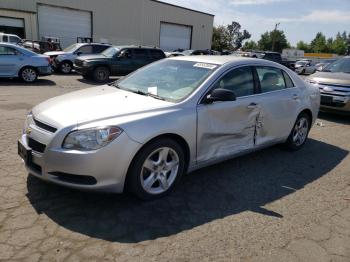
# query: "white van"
(8, 38)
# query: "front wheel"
(156, 169)
(101, 74)
(66, 67)
(299, 133)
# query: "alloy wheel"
(300, 131)
(159, 170)
(66, 68)
(29, 75)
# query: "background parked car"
(320, 66)
(9, 38)
(116, 61)
(305, 67)
(334, 84)
(16, 61)
(63, 60)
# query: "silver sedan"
(144, 132)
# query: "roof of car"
(219, 60)
(135, 46)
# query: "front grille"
(45, 126)
(74, 179)
(36, 146)
(328, 101)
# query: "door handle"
(295, 97)
(252, 105)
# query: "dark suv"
(116, 61)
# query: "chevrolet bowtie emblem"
(28, 130)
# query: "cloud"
(255, 2)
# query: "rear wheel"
(156, 169)
(66, 67)
(299, 133)
(28, 74)
(101, 74)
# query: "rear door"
(279, 101)
(156, 54)
(140, 57)
(227, 128)
(10, 61)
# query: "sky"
(299, 19)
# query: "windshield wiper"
(139, 92)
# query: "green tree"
(339, 45)
(250, 45)
(266, 39)
(301, 45)
(319, 44)
(219, 41)
(229, 37)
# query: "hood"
(92, 104)
(55, 53)
(331, 78)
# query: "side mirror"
(79, 53)
(220, 94)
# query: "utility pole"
(274, 37)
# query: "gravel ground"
(272, 205)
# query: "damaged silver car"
(144, 132)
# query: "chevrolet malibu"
(143, 132)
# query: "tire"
(101, 74)
(28, 74)
(152, 175)
(298, 135)
(66, 67)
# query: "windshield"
(110, 52)
(339, 66)
(171, 80)
(71, 48)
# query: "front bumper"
(335, 103)
(83, 70)
(102, 170)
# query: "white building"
(139, 22)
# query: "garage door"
(12, 26)
(173, 37)
(66, 24)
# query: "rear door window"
(271, 79)
(99, 48)
(157, 54)
(140, 53)
(4, 50)
(288, 80)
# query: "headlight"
(27, 122)
(91, 139)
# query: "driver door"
(122, 63)
(228, 128)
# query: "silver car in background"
(64, 60)
(334, 85)
(305, 67)
(171, 117)
(16, 61)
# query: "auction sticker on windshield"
(204, 65)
